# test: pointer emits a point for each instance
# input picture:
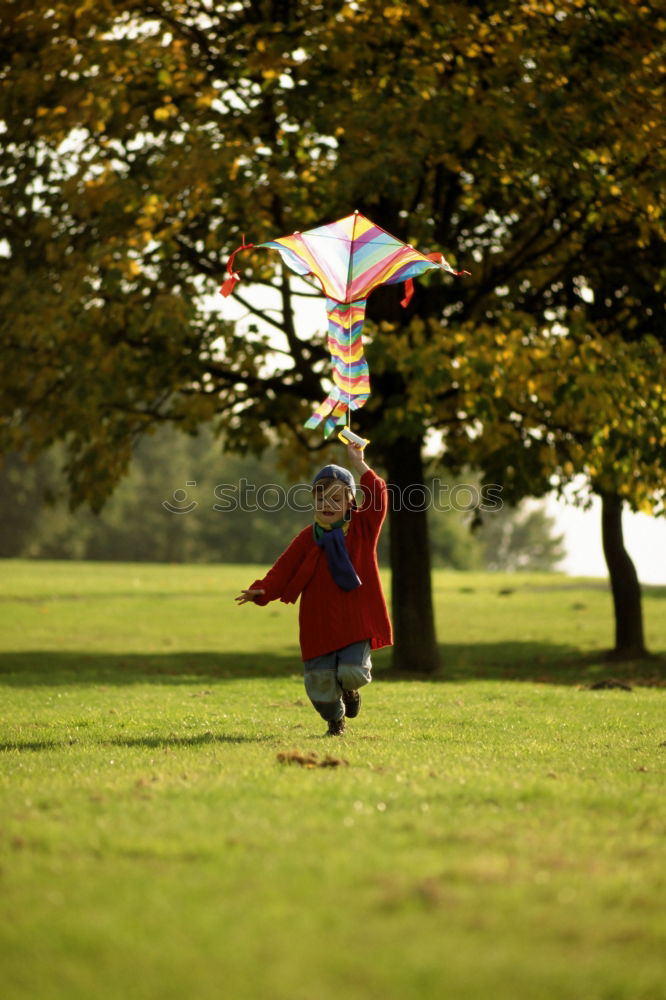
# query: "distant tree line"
(185, 500)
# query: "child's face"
(331, 501)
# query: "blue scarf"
(332, 541)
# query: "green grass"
(496, 833)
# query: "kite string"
(350, 275)
(349, 366)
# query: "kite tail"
(331, 412)
(351, 377)
(437, 258)
(234, 277)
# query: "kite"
(349, 258)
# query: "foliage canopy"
(140, 140)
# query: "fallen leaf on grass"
(429, 892)
(310, 759)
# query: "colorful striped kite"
(349, 258)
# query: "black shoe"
(352, 700)
(336, 727)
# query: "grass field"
(497, 832)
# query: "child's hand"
(248, 595)
(356, 458)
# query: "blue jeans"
(326, 676)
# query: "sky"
(644, 536)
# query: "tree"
(183, 500)
(515, 539)
(626, 298)
(24, 496)
(472, 529)
(593, 405)
(142, 139)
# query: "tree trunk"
(415, 647)
(629, 637)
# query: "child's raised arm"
(356, 458)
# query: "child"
(332, 565)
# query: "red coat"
(329, 617)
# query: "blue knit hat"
(336, 472)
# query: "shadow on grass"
(541, 663)
(545, 663)
(184, 741)
(61, 668)
(32, 745)
(147, 742)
